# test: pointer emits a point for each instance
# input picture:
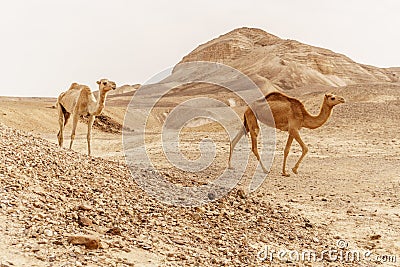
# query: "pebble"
(375, 237)
(85, 207)
(114, 231)
(48, 232)
(84, 221)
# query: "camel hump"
(279, 97)
(85, 90)
(276, 96)
(74, 86)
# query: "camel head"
(105, 85)
(332, 100)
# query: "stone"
(84, 221)
(90, 242)
(114, 231)
(85, 207)
(375, 237)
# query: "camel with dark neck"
(290, 115)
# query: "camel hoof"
(230, 168)
(286, 174)
(294, 170)
(265, 171)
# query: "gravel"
(50, 195)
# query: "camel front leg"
(304, 149)
(285, 155)
(74, 124)
(89, 133)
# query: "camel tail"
(245, 125)
(62, 108)
(243, 131)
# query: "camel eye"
(104, 83)
(332, 98)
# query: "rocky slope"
(49, 194)
(288, 64)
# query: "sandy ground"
(348, 183)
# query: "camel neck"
(312, 122)
(100, 103)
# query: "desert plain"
(345, 196)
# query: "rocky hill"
(49, 195)
(288, 64)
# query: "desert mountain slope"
(288, 64)
(125, 89)
(395, 71)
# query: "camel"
(79, 100)
(290, 115)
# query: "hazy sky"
(48, 44)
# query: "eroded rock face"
(287, 63)
(231, 46)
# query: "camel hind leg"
(254, 130)
(234, 142)
(243, 131)
(74, 124)
(89, 133)
(254, 135)
(63, 117)
(60, 135)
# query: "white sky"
(48, 44)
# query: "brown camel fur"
(79, 100)
(290, 115)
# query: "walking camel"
(79, 100)
(290, 115)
